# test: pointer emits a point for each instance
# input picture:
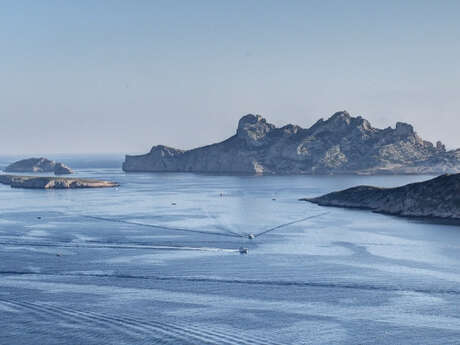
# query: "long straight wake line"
(287, 224)
(111, 246)
(160, 226)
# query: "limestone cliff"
(438, 197)
(341, 144)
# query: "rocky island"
(438, 197)
(45, 182)
(39, 165)
(342, 144)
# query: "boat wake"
(162, 227)
(166, 333)
(254, 282)
(111, 246)
(226, 232)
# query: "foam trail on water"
(224, 228)
(113, 246)
(159, 226)
(289, 223)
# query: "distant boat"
(243, 250)
(251, 236)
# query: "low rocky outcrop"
(438, 197)
(342, 144)
(39, 165)
(45, 182)
(62, 169)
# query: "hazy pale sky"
(121, 76)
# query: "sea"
(162, 260)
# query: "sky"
(94, 76)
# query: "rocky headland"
(45, 182)
(438, 197)
(342, 144)
(39, 165)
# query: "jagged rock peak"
(341, 115)
(253, 129)
(403, 128)
(341, 122)
(252, 120)
(363, 123)
(440, 146)
(163, 148)
(344, 118)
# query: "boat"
(243, 250)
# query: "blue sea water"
(67, 276)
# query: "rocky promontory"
(438, 197)
(45, 182)
(342, 144)
(39, 165)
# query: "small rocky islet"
(435, 198)
(38, 165)
(51, 182)
(44, 165)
